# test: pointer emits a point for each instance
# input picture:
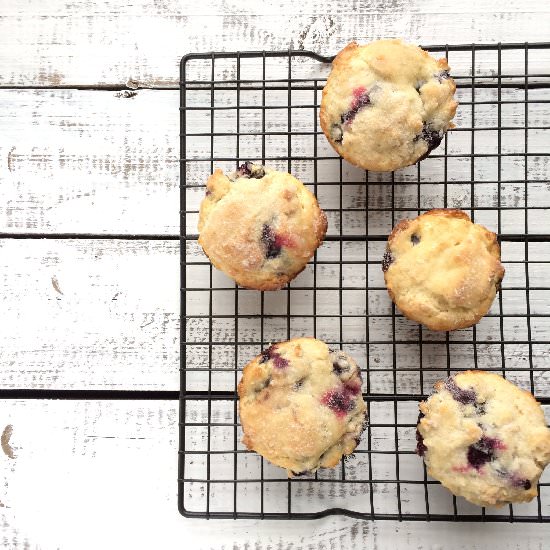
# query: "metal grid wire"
(263, 106)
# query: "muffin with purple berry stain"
(387, 105)
(259, 226)
(442, 270)
(301, 406)
(484, 438)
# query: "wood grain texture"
(90, 314)
(74, 161)
(82, 161)
(104, 314)
(65, 43)
(111, 465)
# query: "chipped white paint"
(104, 314)
(93, 314)
(94, 475)
(63, 42)
(91, 162)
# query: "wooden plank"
(98, 162)
(89, 314)
(141, 43)
(112, 160)
(113, 464)
(104, 314)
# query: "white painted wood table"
(89, 157)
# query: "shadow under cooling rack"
(264, 106)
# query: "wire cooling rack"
(264, 106)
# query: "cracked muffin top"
(442, 270)
(484, 438)
(301, 406)
(259, 226)
(387, 105)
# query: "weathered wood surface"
(89, 161)
(77, 161)
(93, 42)
(91, 314)
(104, 314)
(91, 474)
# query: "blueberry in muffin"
(484, 438)
(301, 406)
(387, 105)
(259, 226)
(442, 270)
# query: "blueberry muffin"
(484, 438)
(259, 226)
(387, 104)
(442, 270)
(301, 406)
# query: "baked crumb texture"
(259, 226)
(442, 270)
(484, 438)
(301, 405)
(387, 105)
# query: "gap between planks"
(111, 395)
